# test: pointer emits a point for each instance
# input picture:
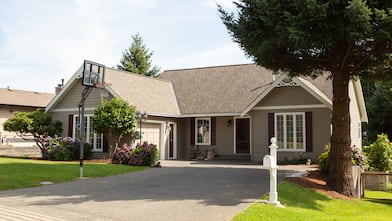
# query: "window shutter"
(213, 130)
(105, 145)
(70, 125)
(309, 131)
(192, 131)
(271, 128)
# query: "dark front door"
(242, 135)
(171, 141)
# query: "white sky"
(43, 41)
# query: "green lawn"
(305, 204)
(20, 173)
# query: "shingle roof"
(224, 89)
(24, 98)
(148, 94)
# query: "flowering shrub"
(356, 158)
(141, 155)
(122, 154)
(64, 148)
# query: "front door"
(242, 135)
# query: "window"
(290, 131)
(96, 140)
(203, 131)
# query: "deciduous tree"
(115, 119)
(37, 124)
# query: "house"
(12, 101)
(231, 110)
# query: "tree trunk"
(340, 172)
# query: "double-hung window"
(96, 140)
(290, 131)
(203, 131)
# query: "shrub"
(142, 155)
(379, 154)
(121, 155)
(64, 148)
(323, 159)
(357, 158)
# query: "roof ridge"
(215, 66)
(138, 75)
(22, 90)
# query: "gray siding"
(224, 138)
(321, 134)
(288, 96)
(74, 95)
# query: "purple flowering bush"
(142, 155)
(121, 155)
(64, 148)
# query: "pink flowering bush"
(141, 155)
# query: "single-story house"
(12, 101)
(232, 110)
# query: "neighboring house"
(231, 110)
(12, 101)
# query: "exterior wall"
(224, 139)
(288, 96)
(162, 123)
(321, 134)
(72, 98)
(11, 138)
(355, 119)
(69, 106)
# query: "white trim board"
(284, 107)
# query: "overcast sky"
(43, 41)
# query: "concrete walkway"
(180, 190)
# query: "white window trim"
(284, 148)
(88, 116)
(209, 132)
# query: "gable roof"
(156, 97)
(209, 91)
(221, 90)
(24, 98)
(152, 95)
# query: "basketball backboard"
(93, 73)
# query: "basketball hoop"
(102, 86)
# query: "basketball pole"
(85, 94)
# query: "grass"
(305, 204)
(20, 173)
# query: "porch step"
(99, 155)
(239, 157)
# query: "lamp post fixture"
(140, 117)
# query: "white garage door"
(151, 133)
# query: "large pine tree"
(346, 38)
(137, 59)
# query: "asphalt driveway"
(177, 191)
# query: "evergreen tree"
(137, 59)
(346, 38)
(379, 108)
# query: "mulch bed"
(317, 181)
